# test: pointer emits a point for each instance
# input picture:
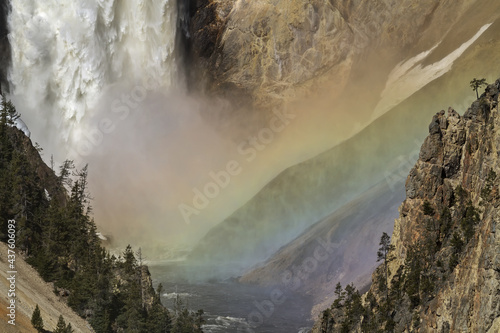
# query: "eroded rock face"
(448, 221)
(465, 152)
(270, 50)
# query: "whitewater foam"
(221, 324)
(175, 295)
(65, 54)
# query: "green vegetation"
(384, 254)
(187, 322)
(427, 208)
(476, 84)
(61, 326)
(36, 319)
(337, 304)
(58, 235)
(437, 248)
(349, 305)
(445, 222)
(490, 183)
(468, 222)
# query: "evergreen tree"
(384, 253)
(468, 222)
(413, 267)
(159, 320)
(11, 112)
(59, 238)
(65, 172)
(130, 263)
(69, 329)
(445, 222)
(199, 321)
(475, 84)
(340, 296)
(36, 319)
(427, 208)
(184, 322)
(61, 326)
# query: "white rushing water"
(66, 53)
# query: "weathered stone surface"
(270, 50)
(458, 165)
(466, 150)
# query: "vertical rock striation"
(447, 229)
(460, 152)
(270, 50)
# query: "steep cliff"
(443, 267)
(270, 51)
(307, 192)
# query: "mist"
(120, 105)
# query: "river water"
(230, 306)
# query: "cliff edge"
(441, 272)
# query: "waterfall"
(66, 54)
(4, 45)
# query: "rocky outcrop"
(463, 153)
(444, 276)
(304, 193)
(147, 291)
(268, 47)
(270, 51)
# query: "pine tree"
(159, 290)
(59, 238)
(69, 329)
(65, 173)
(413, 267)
(184, 322)
(11, 111)
(199, 321)
(427, 208)
(384, 253)
(158, 320)
(475, 84)
(61, 325)
(340, 296)
(130, 262)
(36, 319)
